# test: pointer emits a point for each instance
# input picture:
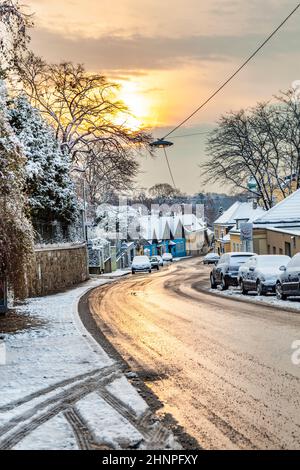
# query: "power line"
(189, 135)
(169, 166)
(235, 73)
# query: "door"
(287, 249)
(219, 268)
(251, 275)
(294, 276)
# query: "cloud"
(137, 52)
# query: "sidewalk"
(60, 390)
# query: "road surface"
(222, 368)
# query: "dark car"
(288, 283)
(225, 273)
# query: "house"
(278, 230)
(227, 226)
(181, 235)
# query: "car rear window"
(141, 259)
(239, 259)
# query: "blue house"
(166, 234)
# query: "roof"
(288, 230)
(240, 210)
(285, 212)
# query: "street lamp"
(161, 143)
(84, 216)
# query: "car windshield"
(272, 261)
(239, 259)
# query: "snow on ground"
(292, 303)
(55, 433)
(60, 390)
(134, 401)
(118, 273)
(108, 426)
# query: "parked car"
(225, 273)
(167, 258)
(288, 282)
(154, 262)
(211, 258)
(261, 272)
(159, 259)
(141, 264)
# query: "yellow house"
(289, 187)
(278, 230)
(227, 226)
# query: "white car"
(261, 272)
(167, 258)
(141, 264)
(211, 258)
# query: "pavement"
(60, 390)
(226, 370)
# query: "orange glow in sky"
(169, 56)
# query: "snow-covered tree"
(48, 185)
(14, 24)
(16, 235)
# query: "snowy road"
(222, 368)
(59, 390)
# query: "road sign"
(246, 232)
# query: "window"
(269, 250)
(280, 251)
(287, 249)
(239, 259)
(274, 250)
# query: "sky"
(169, 56)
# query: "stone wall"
(57, 268)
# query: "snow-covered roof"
(226, 238)
(238, 211)
(288, 230)
(285, 212)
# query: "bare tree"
(82, 107)
(164, 192)
(254, 144)
(109, 168)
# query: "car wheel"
(224, 283)
(133, 271)
(279, 294)
(150, 271)
(213, 283)
(244, 290)
(259, 288)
